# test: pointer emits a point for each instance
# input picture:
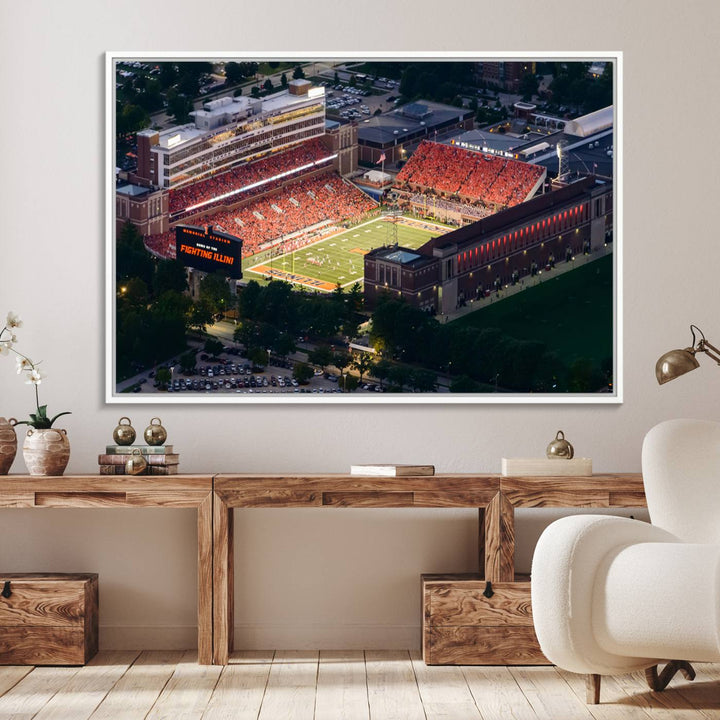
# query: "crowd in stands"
(430, 202)
(473, 176)
(301, 204)
(244, 175)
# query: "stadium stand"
(245, 175)
(468, 175)
(300, 204)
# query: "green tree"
(382, 370)
(298, 73)
(268, 85)
(187, 361)
(200, 315)
(135, 293)
(321, 356)
(348, 383)
(132, 260)
(528, 86)
(422, 380)
(169, 275)
(130, 118)
(464, 384)
(213, 347)
(341, 360)
(255, 91)
(363, 363)
(233, 73)
(283, 81)
(399, 376)
(302, 372)
(258, 356)
(163, 377)
(215, 290)
(179, 106)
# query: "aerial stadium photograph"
(374, 229)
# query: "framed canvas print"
(364, 228)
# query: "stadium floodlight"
(678, 362)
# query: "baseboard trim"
(327, 637)
(263, 636)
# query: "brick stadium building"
(495, 251)
(227, 133)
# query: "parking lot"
(234, 374)
(354, 103)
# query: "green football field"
(337, 259)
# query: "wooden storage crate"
(48, 618)
(461, 626)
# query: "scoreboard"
(209, 250)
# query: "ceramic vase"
(8, 444)
(47, 451)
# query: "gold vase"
(8, 444)
(46, 451)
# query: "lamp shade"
(675, 363)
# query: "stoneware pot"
(8, 444)
(46, 452)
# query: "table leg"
(205, 579)
(499, 546)
(223, 581)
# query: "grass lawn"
(571, 313)
(338, 259)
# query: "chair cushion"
(565, 563)
(659, 600)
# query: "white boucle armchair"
(613, 595)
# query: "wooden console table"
(215, 498)
(126, 491)
(495, 497)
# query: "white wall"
(330, 578)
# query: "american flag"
(381, 159)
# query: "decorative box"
(48, 618)
(467, 621)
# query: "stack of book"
(160, 459)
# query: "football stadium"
(278, 176)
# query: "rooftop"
(407, 121)
(133, 190)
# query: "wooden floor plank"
(88, 687)
(666, 705)
(392, 688)
(11, 675)
(548, 694)
(239, 693)
(34, 691)
(497, 694)
(290, 691)
(139, 688)
(615, 703)
(188, 691)
(348, 685)
(703, 693)
(342, 686)
(444, 692)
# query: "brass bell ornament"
(136, 463)
(560, 448)
(124, 433)
(155, 433)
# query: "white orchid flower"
(35, 377)
(5, 346)
(13, 320)
(23, 364)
